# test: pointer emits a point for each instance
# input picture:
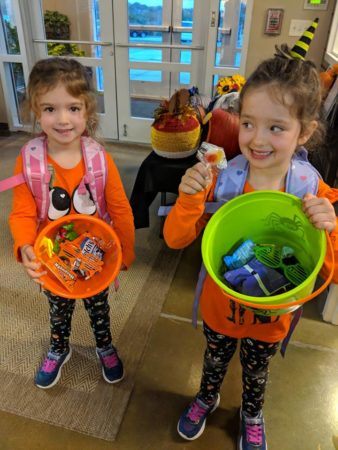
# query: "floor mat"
(81, 401)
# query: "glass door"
(14, 67)
(158, 51)
(138, 52)
(229, 28)
(81, 30)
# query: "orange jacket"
(183, 224)
(23, 217)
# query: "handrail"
(64, 41)
(170, 46)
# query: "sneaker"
(112, 367)
(252, 433)
(50, 371)
(192, 422)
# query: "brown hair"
(300, 80)
(48, 73)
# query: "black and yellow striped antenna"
(301, 47)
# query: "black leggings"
(254, 355)
(61, 311)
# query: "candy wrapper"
(212, 156)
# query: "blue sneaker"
(50, 371)
(252, 433)
(192, 422)
(112, 367)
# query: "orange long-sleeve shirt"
(184, 223)
(23, 218)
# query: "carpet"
(81, 401)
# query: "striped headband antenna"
(301, 47)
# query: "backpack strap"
(36, 174)
(11, 182)
(297, 314)
(96, 174)
(302, 177)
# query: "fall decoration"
(229, 84)
(175, 132)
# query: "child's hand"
(320, 212)
(31, 264)
(195, 179)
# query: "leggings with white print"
(61, 311)
(255, 357)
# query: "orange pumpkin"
(327, 78)
(223, 130)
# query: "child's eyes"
(52, 109)
(276, 128)
(247, 125)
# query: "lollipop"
(212, 156)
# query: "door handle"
(170, 46)
(46, 41)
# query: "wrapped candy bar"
(212, 156)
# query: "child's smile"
(269, 134)
(62, 117)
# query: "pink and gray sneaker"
(192, 422)
(112, 367)
(252, 432)
(50, 371)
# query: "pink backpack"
(36, 175)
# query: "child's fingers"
(320, 212)
(36, 274)
(31, 265)
(319, 220)
(316, 205)
(38, 281)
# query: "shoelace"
(49, 365)
(110, 360)
(254, 433)
(196, 411)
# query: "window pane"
(14, 72)
(187, 12)
(141, 107)
(230, 33)
(154, 76)
(184, 77)
(145, 54)
(142, 15)
(185, 56)
(8, 26)
(75, 20)
(96, 75)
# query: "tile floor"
(301, 408)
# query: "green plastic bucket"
(265, 217)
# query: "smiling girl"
(61, 98)
(279, 113)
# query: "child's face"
(62, 117)
(269, 134)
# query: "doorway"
(138, 52)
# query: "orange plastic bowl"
(112, 258)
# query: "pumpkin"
(223, 130)
(327, 78)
